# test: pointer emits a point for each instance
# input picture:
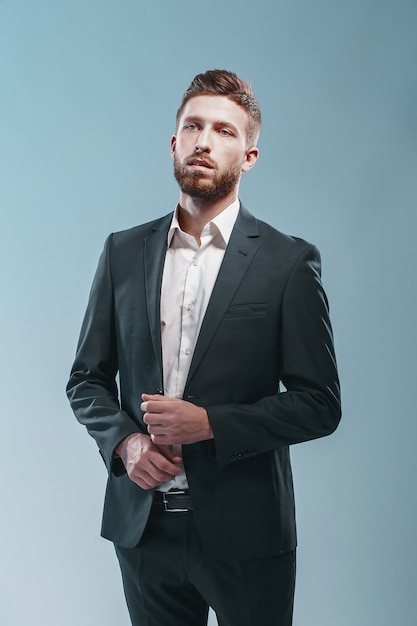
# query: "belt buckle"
(165, 502)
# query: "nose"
(203, 141)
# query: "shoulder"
(276, 242)
(143, 230)
(135, 236)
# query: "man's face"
(210, 148)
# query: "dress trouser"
(169, 579)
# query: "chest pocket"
(246, 310)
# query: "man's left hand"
(173, 421)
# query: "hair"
(224, 83)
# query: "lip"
(199, 163)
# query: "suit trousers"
(169, 579)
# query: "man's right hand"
(147, 464)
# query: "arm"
(92, 389)
(93, 392)
(310, 405)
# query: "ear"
(173, 144)
(250, 159)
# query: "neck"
(195, 213)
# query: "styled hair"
(224, 83)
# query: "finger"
(159, 430)
(153, 418)
(148, 482)
(150, 406)
(169, 454)
(159, 437)
(166, 439)
(152, 475)
(148, 396)
(158, 460)
(157, 397)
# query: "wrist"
(120, 450)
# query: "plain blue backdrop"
(88, 94)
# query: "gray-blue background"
(88, 92)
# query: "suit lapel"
(154, 256)
(242, 246)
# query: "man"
(218, 328)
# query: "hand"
(173, 421)
(147, 464)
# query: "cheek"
(233, 159)
(183, 148)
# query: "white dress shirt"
(190, 272)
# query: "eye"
(190, 126)
(225, 132)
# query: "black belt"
(174, 501)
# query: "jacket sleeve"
(92, 389)
(308, 406)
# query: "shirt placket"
(189, 320)
(192, 306)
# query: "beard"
(198, 185)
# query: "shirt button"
(195, 262)
(187, 351)
(189, 306)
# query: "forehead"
(212, 109)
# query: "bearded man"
(217, 327)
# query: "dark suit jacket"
(267, 322)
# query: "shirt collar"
(224, 222)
